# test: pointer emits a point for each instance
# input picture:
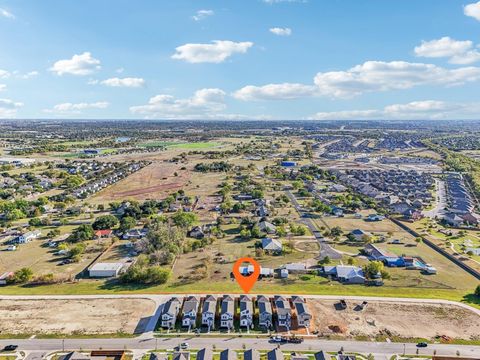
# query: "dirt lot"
(412, 320)
(155, 181)
(53, 316)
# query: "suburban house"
(228, 354)
(209, 309)
(375, 253)
(350, 274)
(190, 309)
(284, 311)
(375, 217)
(227, 311)
(251, 354)
(267, 227)
(135, 234)
(196, 233)
(272, 246)
(264, 311)
(246, 311)
(275, 354)
(27, 237)
(102, 233)
(321, 355)
(181, 355)
(359, 234)
(170, 313)
(205, 354)
(303, 315)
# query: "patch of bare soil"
(406, 320)
(73, 316)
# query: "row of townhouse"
(110, 179)
(250, 354)
(207, 309)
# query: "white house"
(246, 311)
(209, 309)
(105, 270)
(29, 236)
(190, 309)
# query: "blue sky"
(232, 59)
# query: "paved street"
(440, 201)
(380, 348)
(325, 248)
(146, 341)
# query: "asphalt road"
(325, 248)
(382, 349)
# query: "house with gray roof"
(251, 354)
(205, 354)
(303, 314)
(284, 311)
(190, 310)
(246, 311)
(228, 354)
(264, 312)
(272, 246)
(227, 311)
(170, 312)
(209, 309)
(275, 354)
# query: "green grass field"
(178, 145)
(314, 286)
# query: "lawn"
(316, 285)
(179, 145)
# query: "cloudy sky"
(240, 59)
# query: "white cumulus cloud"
(8, 108)
(374, 76)
(459, 52)
(203, 103)
(274, 92)
(83, 64)
(371, 76)
(472, 10)
(281, 31)
(202, 14)
(124, 82)
(415, 110)
(76, 108)
(215, 52)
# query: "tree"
(184, 219)
(23, 275)
(336, 231)
(127, 223)
(477, 291)
(82, 233)
(325, 261)
(105, 222)
(373, 269)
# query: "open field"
(73, 316)
(155, 181)
(42, 259)
(396, 320)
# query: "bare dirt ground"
(155, 181)
(412, 320)
(73, 316)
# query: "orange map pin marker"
(252, 272)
